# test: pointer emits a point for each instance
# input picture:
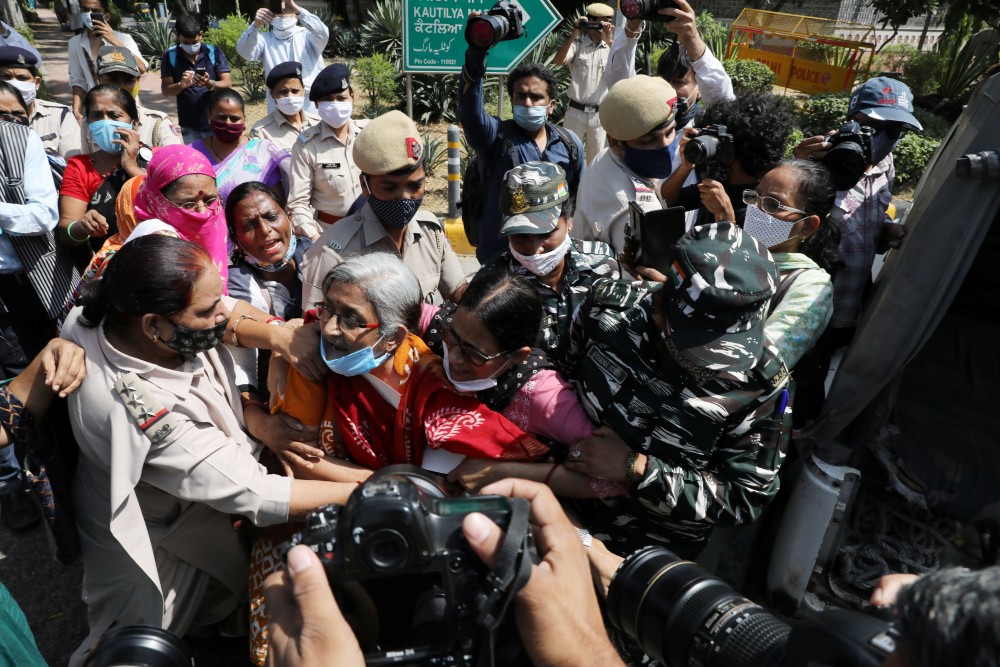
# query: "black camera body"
(850, 154)
(504, 21)
(711, 152)
(647, 10)
(584, 24)
(401, 569)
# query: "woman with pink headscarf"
(180, 190)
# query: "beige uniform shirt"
(425, 250)
(275, 128)
(153, 518)
(606, 188)
(323, 177)
(155, 129)
(57, 127)
(587, 62)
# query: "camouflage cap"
(116, 59)
(531, 198)
(718, 287)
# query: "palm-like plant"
(153, 38)
(965, 63)
(383, 31)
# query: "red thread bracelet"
(552, 471)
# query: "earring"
(156, 337)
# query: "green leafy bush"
(226, 35)
(153, 38)
(793, 140)
(821, 113)
(923, 72)
(714, 32)
(749, 75)
(380, 81)
(344, 42)
(935, 126)
(894, 58)
(434, 98)
(911, 156)
(435, 153)
(253, 82)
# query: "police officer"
(117, 66)
(324, 181)
(538, 218)
(289, 119)
(586, 52)
(690, 392)
(638, 115)
(53, 122)
(390, 157)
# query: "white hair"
(389, 285)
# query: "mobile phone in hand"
(275, 6)
(200, 71)
(97, 17)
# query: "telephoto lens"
(141, 646)
(681, 615)
(504, 21)
(647, 10)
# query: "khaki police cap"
(388, 143)
(599, 10)
(636, 106)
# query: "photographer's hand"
(557, 614)
(811, 148)
(715, 199)
(685, 27)
(306, 628)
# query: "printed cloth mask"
(335, 114)
(767, 229)
(191, 49)
(883, 143)
(469, 386)
(277, 266)
(530, 119)
(103, 132)
(26, 88)
(290, 105)
(651, 163)
(227, 133)
(394, 214)
(544, 263)
(283, 26)
(189, 342)
(11, 118)
(356, 363)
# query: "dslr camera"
(711, 152)
(504, 21)
(681, 615)
(850, 154)
(405, 577)
(647, 10)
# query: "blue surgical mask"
(883, 143)
(103, 132)
(651, 163)
(395, 213)
(687, 115)
(356, 363)
(271, 268)
(530, 119)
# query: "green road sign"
(434, 34)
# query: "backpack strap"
(782, 290)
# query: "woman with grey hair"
(387, 399)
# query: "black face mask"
(12, 118)
(188, 342)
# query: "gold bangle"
(236, 341)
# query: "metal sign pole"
(500, 90)
(409, 95)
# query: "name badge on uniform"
(608, 365)
(330, 165)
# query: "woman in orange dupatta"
(387, 399)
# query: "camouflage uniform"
(714, 439)
(586, 261)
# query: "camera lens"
(142, 646)
(634, 9)
(386, 549)
(846, 163)
(681, 615)
(487, 30)
(701, 150)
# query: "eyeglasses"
(345, 322)
(769, 205)
(195, 205)
(471, 354)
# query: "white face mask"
(469, 386)
(282, 26)
(191, 49)
(26, 88)
(545, 263)
(767, 229)
(88, 22)
(290, 105)
(335, 114)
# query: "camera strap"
(509, 575)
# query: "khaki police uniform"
(587, 62)
(324, 178)
(57, 127)
(277, 129)
(425, 251)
